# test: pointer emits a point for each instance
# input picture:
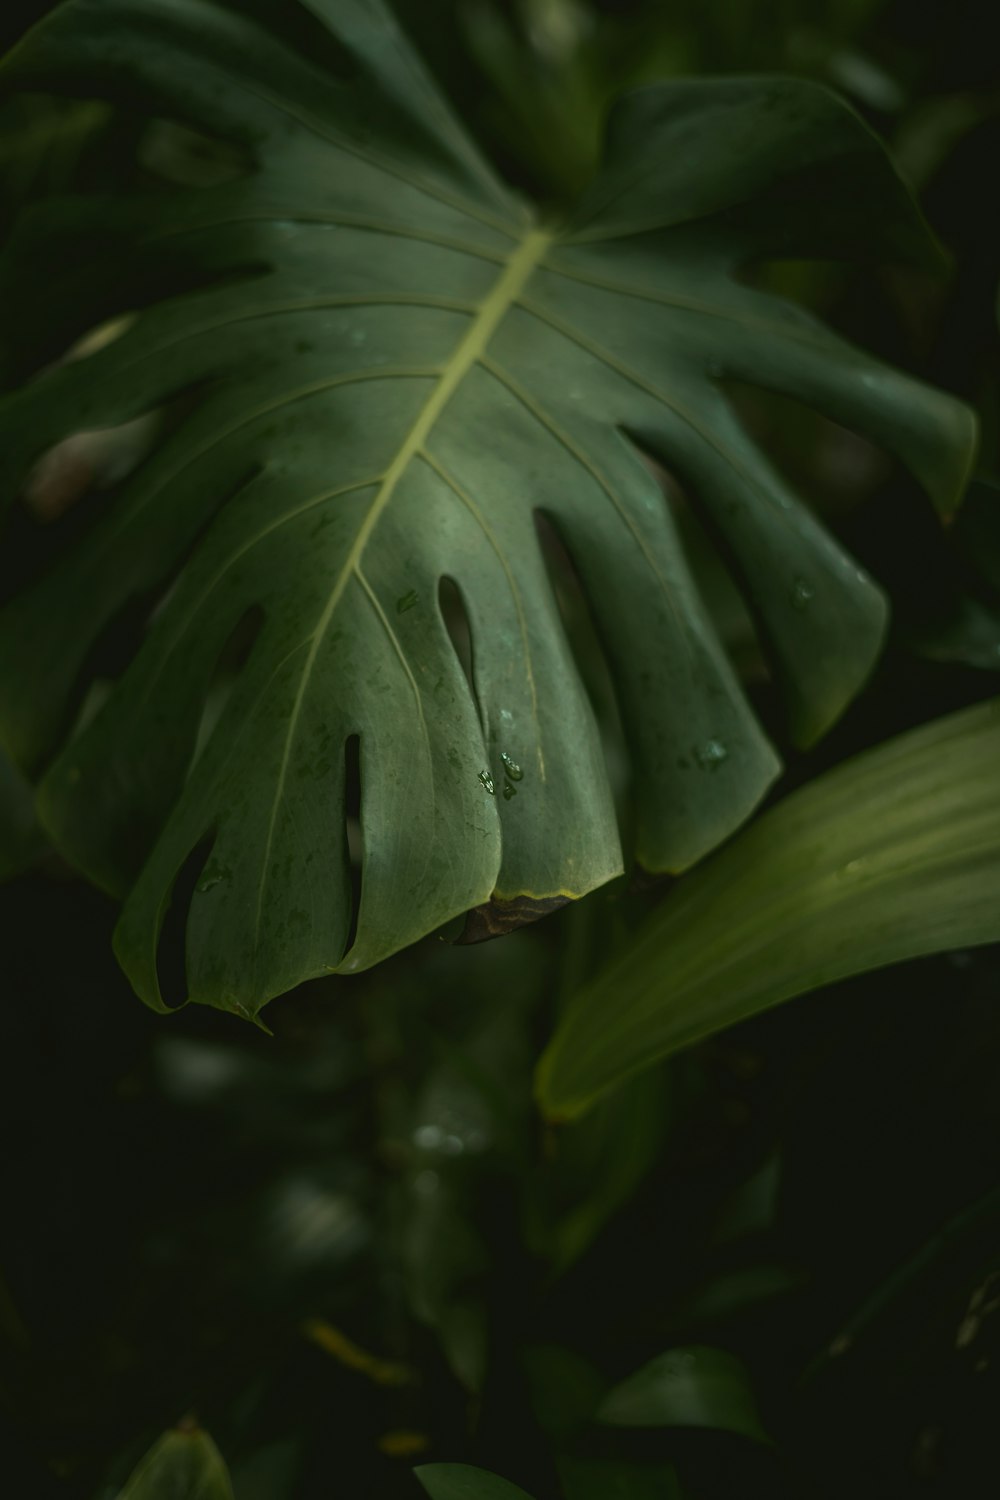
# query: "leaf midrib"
(469, 352)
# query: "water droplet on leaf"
(711, 755)
(802, 593)
(487, 780)
(511, 766)
(508, 790)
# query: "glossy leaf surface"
(892, 855)
(378, 367)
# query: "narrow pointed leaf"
(182, 1465)
(892, 855)
(691, 1387)
(378, 367)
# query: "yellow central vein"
(468, 353)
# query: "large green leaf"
(694, 1387)
(183, 1465)
(388, 366)
(893, 854)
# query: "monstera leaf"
(378, 368)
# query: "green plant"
(455, 318)
(364, 589)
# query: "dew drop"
(211, 876)
(508, 790)
(711, 755)
(511, 766)
(487, 781)
(802, 593)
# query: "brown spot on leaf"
(497, 917)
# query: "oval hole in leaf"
(186, 157)
(75, 481)
(85, 462)
(833, 468)
(171, 964)
(229, 664)
(456, 622)
(116, 644)
(355, 841)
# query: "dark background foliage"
(817, 1191)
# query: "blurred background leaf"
(692, 1387)
(890, 856)
(184, 1465)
